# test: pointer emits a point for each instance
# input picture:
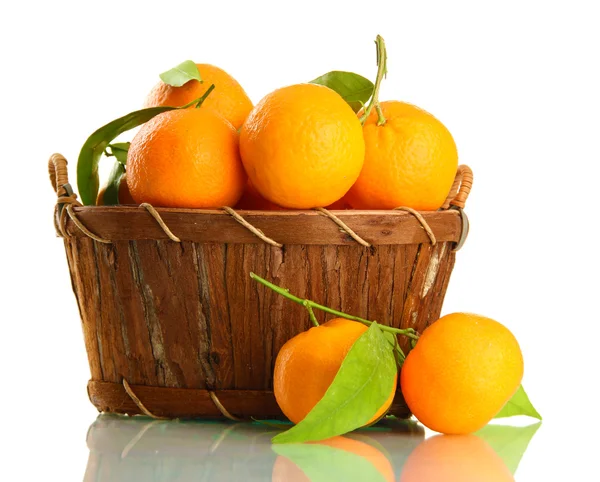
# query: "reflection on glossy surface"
(339, 458)
(455, 458)
(138, 448)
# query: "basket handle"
(59, 176)
(459, 192)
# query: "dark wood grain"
(187, 316)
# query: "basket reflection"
(142, 449)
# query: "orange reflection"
(449, 458)
(356, 457)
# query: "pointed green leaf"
(361, 386)
(322, 463)
(111, 195)
(519, 404)
(96, 144)
(354, 88)
(509, 442)
(181, 74)
(120, 150)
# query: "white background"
(516, 82)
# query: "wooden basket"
(174, 326)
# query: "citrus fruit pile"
(326, 143)
(461, 372)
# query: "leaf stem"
(408, 332)
(311, 313)
(205, 95)
(381, 73)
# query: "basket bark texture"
(177, 328)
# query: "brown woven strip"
(344, 227)
(222, 409)
(154, 213)
(257, 232)
(421, 219)
(139, 403)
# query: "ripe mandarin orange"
(462, 371)
(284, 470)
(302, 146)
(411, 160)
(455, 458)
(228, 98)
(307, 364)
(186, 158)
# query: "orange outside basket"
(174, 326)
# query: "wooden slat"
(286, 227)
(190, 403)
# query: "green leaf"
(519, 404)
(509, 442)
(96, 144)
(354, 88)
(321, 463)
(119, 150)
(361, 386)
(111, 195)
(181, 74)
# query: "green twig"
(311, 313)
(408, 332)
(205, 95)
(381, 73)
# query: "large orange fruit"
(228, 98)
(302, 146)
(307, 364)
(462, 371)
(455, 458)
(411, 160)
(186, 158)
(284, 470)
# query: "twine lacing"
(257, 232)
(344, 227)
(154, 213)
(421, 220)
(145, 411)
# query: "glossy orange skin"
(284, 470)
(302, 146)
(252, 200)
(186, 158)
(307, 364)
(462, 371)
(228, 98)
(455, 458)
(410, 161)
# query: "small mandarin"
(307, 364)
(462, 371)
(302, 146)
(186, 158)
(229, 98)
(411, 161)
